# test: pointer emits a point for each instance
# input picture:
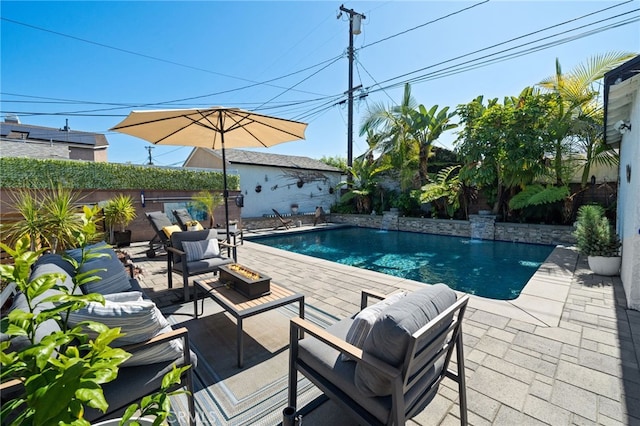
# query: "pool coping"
(541, 301)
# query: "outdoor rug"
(255, 394)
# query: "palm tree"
(363, 181)
(577, 106)
(406, 127)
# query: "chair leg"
(169, 272)
(293, 372)
(462, 386)
(185, 283)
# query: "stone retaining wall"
(513, 232)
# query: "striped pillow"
(203, 249)
(139, 320)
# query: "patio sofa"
(154, 345)
(383, 365)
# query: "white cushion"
(363, 322)
(139, 320)
(203, 249)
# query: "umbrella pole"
(225, 192)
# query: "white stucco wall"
(629, 208)
(279, 191)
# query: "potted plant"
(597, 240)
(54, 377)
(207, 201)
(119, 212)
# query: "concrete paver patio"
(565, 352)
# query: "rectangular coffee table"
(241, 307)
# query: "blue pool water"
(493, 269)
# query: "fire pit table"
(241, 306)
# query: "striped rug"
(255, 394)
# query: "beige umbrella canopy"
(215, 128)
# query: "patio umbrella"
(215, 128)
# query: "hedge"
(43, 174)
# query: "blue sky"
(94, 62)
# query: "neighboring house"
(274, 181)
(622, 130)
(25, 140)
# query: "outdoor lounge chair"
(190, 254)
(403, 358)
(182, 217)
(159, 221)
(319, 216)
(283, 222)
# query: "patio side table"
(241, 307)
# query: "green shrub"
(594, 234)
(38, 174)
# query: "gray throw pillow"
(389, 337)
(365, 319)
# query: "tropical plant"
(445, 192)
(594, 234)
(49, 217)
(503, 145)
(207, 201)
(406, 127)
(119, 211)
(364, 179)
(577, 101)
(63, 371)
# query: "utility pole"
(354, 29)
(149, 148)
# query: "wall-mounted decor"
(300, 183)
(628, 173)
(258, 188)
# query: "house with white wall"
(622, 130)
(274, 181)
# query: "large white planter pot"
(607, 266)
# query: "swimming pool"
(492, 269)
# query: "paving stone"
(492, 346)
(521, 325)
(610, 408)
(559, 334)
(590, 345)
(575, 399)
(589, 379)
(509, 417)
(501, 334)
(532, 363)
(482, 405)
(538, 344)
(541, 390)
(490, 319)
(475, 356)
(582, 317)
(600, 336)
(546, 412)
(600, 362)
(517, 372)
(500, 387)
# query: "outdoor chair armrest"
(225, 244)
(370, 293)
(358, 355)
(176, 251)
(180, 333)
(10, 385)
